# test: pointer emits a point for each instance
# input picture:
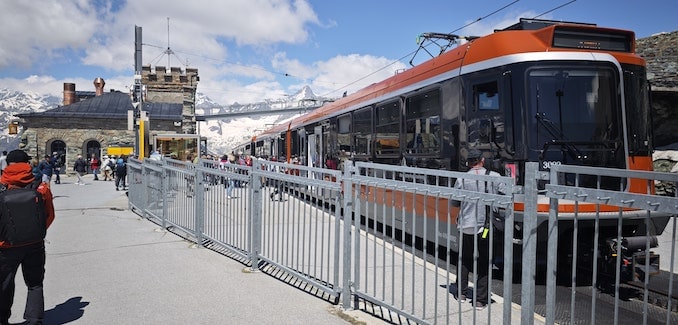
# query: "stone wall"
(661, 54)
(76, 133)
(39, 141)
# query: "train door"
(485, 118)
(315, 151)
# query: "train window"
(422, 123)
(388, 128)
(344, 133)
(486, 96)
(362, 131)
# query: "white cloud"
(350, 73)
(232, 43)
(38, 30)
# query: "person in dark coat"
(56, 161)
(80, 168)
(46, 167)
(120, 173)
(31, 255)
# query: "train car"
(537, 91)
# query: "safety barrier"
(383, 238)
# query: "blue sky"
(251, 50)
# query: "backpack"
(23, 219)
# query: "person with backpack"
(120, 173)
(108, 165)
(26, 204)
(473, 230)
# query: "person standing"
(108, 165)
(56, 161)
(29, 255)
(46, 169)
(95, 164)
(113, 161)
(228, 183)
(3, 161)
(35, 168)
(80, 168)
(120, 173)
(472, 229)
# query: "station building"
(98, 122)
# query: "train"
(543, 91)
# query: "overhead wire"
(285, 74)
(413, 52)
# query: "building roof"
(110, 105)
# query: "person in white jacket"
(107, 165)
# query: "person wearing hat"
(108, 165)
(30, 256)
(471, 224)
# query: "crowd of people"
(51, 167)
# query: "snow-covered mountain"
(15, 102)
(222, 134)
(225, 134)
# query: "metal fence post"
(199, 207)
(552, 258)
(255, 213)
(529, 243)
(165, 185)
(347, 216)
(146, 182)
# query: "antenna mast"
(169, 51)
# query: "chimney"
(99, 86)
(69, 93)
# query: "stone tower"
(173, 86)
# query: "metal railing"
(381, 237)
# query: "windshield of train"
(573, 110)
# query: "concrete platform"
(106, 265)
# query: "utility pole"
(138, 116)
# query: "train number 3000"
(548, 164)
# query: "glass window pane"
(422, 124)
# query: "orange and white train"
(537, 91)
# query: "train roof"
(526, 36)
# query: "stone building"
(97, 122)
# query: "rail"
(380, 237)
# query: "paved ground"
(106, 265)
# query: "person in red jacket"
(95, 164)
(31, 256)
